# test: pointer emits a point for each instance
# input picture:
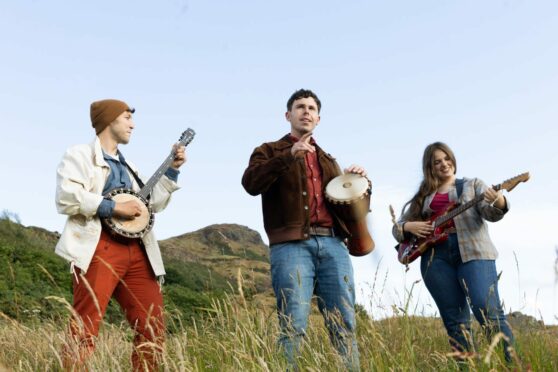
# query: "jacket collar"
(98, 157)
(286, 142)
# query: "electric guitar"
(410, 249)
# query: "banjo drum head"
(132, 228)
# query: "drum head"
(347, 187)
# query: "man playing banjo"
(105, 264)
(306, 237)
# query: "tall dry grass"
(236, 336)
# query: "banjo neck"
(150, 184)
(185, 139)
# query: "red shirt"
(439, 204)
(319, 215)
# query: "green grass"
(211, 329)
(237, 336)
(29, 271)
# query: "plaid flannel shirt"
(472, 229)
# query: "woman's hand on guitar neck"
(127, 210)
(419, 228)
(495, 198)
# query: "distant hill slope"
(224, 248)
(200, 266)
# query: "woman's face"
(442, 165)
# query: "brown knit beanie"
(106, 111)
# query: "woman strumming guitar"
(460, 270)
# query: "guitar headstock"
(510, 184)
(187, 136)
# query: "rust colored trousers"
(120, 269)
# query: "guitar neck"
(454, 212)
(150, 184)
(507, 185)
(462, 208)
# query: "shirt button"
(305, 207)
(305, 235)
(314, 179)
(304, 193)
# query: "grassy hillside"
(224, 248)
(215, 260)
(29, 271)
(201, 266)
(220, 315)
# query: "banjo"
(141, 225)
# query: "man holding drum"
(104, 264)
(306, 238)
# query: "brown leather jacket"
(281, 180)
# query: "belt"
(321, 231)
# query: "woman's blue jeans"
(458, 287)
(319, 265)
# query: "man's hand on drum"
(179, 156)
(302, 146)
(356, 169)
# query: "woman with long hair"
(460, 273)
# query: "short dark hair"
(303, 93)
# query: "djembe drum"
(349, 196)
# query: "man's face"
(121, 128)
(304, 116)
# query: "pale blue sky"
(392, 76)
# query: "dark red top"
(319, 215)
(439, 204)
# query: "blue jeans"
(455, 285)
(319, 265)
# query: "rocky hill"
(230, 250)
(201, 265)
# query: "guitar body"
(137, 227)
(411, 249)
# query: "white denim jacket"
(81, 176)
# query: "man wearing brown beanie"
(103, 264)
